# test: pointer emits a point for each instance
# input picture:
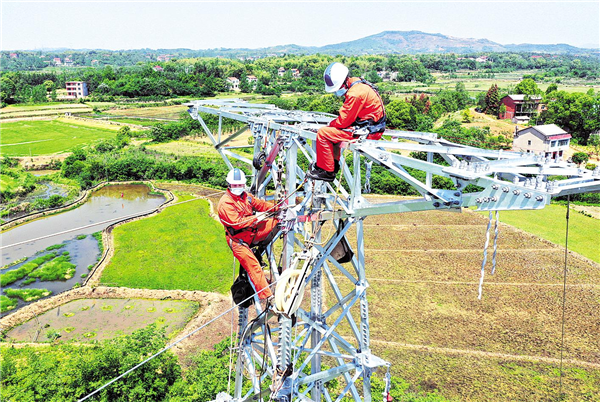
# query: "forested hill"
(387, 42)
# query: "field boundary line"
(420, 225)
(416, 281)
(28, 142)
(462, 250)
(480, 353)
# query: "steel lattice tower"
(313, 346)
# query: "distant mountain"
(411, 42)
(387, 42)
(404, 42)
(560, 48)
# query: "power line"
(564, 300)
(170, 346)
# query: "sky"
(117, 25)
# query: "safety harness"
(232, 232)
(370, 126)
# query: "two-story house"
(520, 107)
(233, 83)
(548, 140)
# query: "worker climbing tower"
(314, 344)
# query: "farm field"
(427, 321)
(35, 138)
(49, 110)
(189, 148)
(550, 224)
(157, 112)
(85, 320)
(504, 80)
(182, 247)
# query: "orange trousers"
(328, 149)
(246, 257)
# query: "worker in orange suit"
(244, 230)
(362, 112)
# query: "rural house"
(520, 107)
(295, 73)
(76, 89)
(548, 140)
(252, 80)
(233, 83)
(158, 68)
(281, 71)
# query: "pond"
(108, 203)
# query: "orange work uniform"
(243, 231)
(361, 103)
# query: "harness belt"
(370, 126)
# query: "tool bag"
(242, 289)
(342, 251)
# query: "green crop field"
(182, 247)
(550, 224)
(34, 138)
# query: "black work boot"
(317, 173)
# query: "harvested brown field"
(426, 319)
(86, 319)
(157, 112)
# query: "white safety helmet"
(335, 75)
(237, 181)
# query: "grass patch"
(54, 247)
(98, 237)
(33, 138)
(24, 270)
(6, 303)
(58, 268)
(81, 237)
(27, 295)
(549, 223)
(180, 248)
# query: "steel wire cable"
(564, 301)
(485, 249)
(171, 345)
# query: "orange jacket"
(361, 103)
(237, 214)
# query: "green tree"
(492, 100)
(245, 86)
(580, 157)
(594, 142)
(467, 117)
(527, 87)
(551, 88)
(401, 115)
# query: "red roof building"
(519, 106)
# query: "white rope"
(485, 247)
(106, 221)
(231, 335)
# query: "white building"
(548, 140)
(233, 83)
